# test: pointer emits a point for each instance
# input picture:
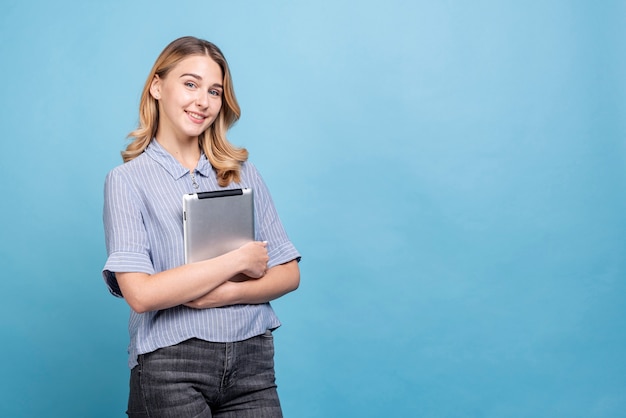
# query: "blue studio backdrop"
(453, 173)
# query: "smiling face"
(189, 98)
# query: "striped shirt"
(143, 225)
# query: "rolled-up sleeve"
(126, 238)
(268, 225)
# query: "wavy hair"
(225, 158)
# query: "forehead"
(199, 65)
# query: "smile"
(196, 116)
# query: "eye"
(214, 92)
(190, 84)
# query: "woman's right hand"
(254, 259)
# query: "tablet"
(217, 222)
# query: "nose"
(202, 99)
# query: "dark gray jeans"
(200, 379)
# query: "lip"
(196, 117)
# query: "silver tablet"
(217, 222)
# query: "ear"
(155, 87)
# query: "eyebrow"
(199, 78)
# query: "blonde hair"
(225, 158)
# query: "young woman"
(200, 344)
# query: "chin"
(194, 133)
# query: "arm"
(278, 281)
(145, 292)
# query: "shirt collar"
(171, 164)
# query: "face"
(189, 98)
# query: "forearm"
(145, 292)
(278, 281)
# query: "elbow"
(137, 305)
(138, 301)
(135, 293)
(140, 309)
(295, 280)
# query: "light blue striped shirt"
(144, 233)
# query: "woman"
(200, 344)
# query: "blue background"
(453, 173)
